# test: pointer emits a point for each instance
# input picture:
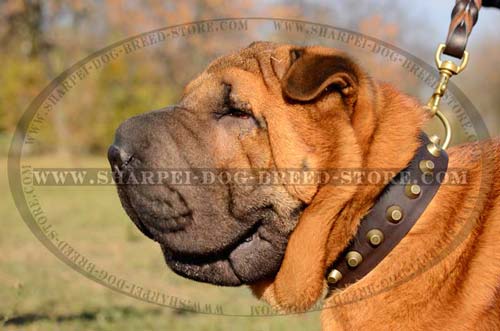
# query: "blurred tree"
(40, 39)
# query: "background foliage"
(38, 40)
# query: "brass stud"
(353, 259)
(426, 166)
(433, 146)
(375, 237)
(334, 276)
(435, 139)
(434, 149)
(412, 191)
(394, 214)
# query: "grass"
(39, 292)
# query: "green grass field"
(39, 292)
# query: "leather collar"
(396, 211)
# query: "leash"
(463, 18)
(402, 202)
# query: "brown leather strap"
(491, 3)
(463, 18)
(410, 204)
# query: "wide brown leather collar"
(396, 211)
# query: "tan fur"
(444, 275)
(460, 291)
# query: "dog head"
(268, 106)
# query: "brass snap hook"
(446, 70)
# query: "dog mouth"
(251, 256)
(250, 259)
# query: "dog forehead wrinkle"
(245, 63)
(247, 59)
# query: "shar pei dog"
(279, 107)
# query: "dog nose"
(118, 157)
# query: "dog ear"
(313, 74)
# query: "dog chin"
(252, 260)
(247, 258)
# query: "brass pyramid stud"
(354, 259)
(375, 237)
(433, 146)
(413, 191)
(334, 276)
(435, 139)
(394, 214)
(426, 166)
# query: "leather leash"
(463, 18)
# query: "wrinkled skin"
(221, 234)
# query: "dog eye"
(234, 112)
(238, 113)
